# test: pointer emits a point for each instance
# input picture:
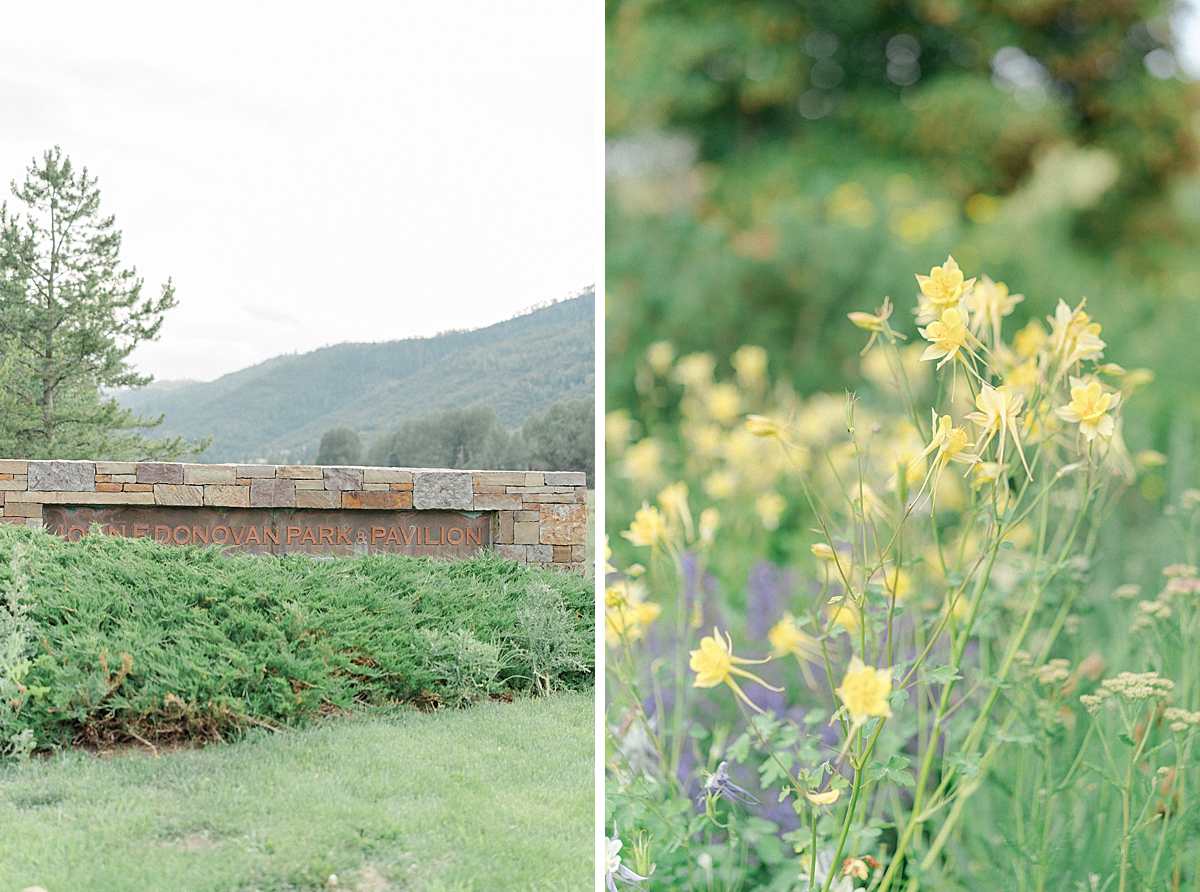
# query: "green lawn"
(499, 796)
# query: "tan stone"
(380, 500)
(299, 472)
(499, 478)
(525, 533)
(310, 483)
(318, 498)
(535, 478)
(17, 484)
(107, 487)
(89, 498)
(496, 503)
(530, 515)
(400, 487)
(14, 466)
(386, 475)
(377, 487)
(22, 509)
(578, 553)
(562, 553)
(523, 489)
(256, 470)
(504, 527)
(178, 494)
(123, 478)
(116, 467)
(566, 478)
(227, 496)
(140, 487)
(564, 525)
(210, 474)
(487, 489)
(552, 498)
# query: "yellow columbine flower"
(1073, 336)
(627, 613)
(949, 443)
(864, 692)
(827, 798)
(845, 616)
(986, 472)
(998, 411)
(988, 303)
(787, 637)
(943, 288)
(761, 426)
(649, 527)
(750, 363)
(823, 552)
(873, 323)
(715, 663)
(1030, 339)
(674, 502)
(948, 335)
(1089, 409)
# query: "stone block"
(541, 489)
(525, 533)
(209, 474)
(502, 530)
(318, 498)
(387, 475)
(159, 472)
(227, 496)
(138, 487)
(499, 478)
(343, 479)
(17, 484)
(35, 522)
(399, 487)
(496, 503)
(551, 498)
(89, 498)
(22, 509)
(377, 487)
(116, 467)
(566, 478)
(256, 470)
(530, 515)
(394, 501)
(578, 553)
(124, 478)
(298, 472)
(443, 489)
(178, 494)
(62, 476)
(511, 552)
(318, 483)
(107, 487)
(535, 478)
(564, 525)
(562, 553)
(543, 554)
(267, 492)
(14, 466)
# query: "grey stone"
(544, 553)
(266, 492)
(512, 552)
(343, 479)
(159, 472)
(566, 478)
(443, 489)
(62, 476)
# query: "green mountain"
(282, 406)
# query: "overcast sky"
(311, 174)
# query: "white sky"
(316, 173)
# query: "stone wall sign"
(531, 517)
(266, 531)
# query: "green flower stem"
(859, 774)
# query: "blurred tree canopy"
(773, 165)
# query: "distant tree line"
(563, 439)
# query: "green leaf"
(943, 674)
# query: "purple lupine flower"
(613, 868)
(718, 784)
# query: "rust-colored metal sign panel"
(283, 531)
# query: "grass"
(499, 796)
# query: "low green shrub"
(129, 638)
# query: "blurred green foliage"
(773, 166)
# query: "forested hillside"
(281, 407)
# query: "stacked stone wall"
(537, 517)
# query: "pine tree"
(70, 315)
